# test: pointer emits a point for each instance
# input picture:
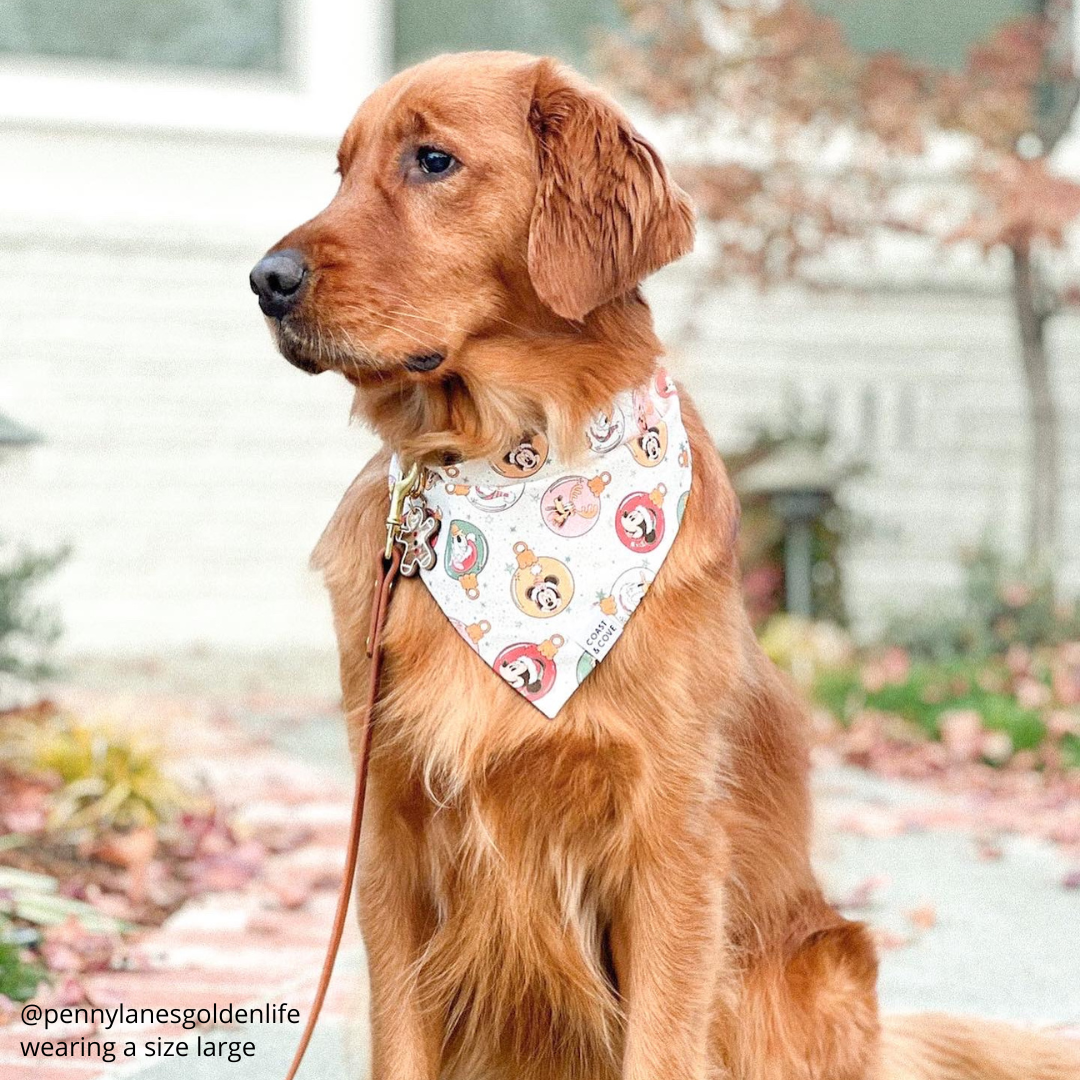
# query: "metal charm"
(411, 524)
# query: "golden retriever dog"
(626, 890)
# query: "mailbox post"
(799, 484)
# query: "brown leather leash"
(389, 566)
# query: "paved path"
(964, 933)
(961, 932)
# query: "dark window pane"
(561, 28)
(938, 32)
(243, 35)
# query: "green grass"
(1070, 749)
(19, 980)
(930, 691)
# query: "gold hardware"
(409, 484)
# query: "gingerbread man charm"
(417, 538)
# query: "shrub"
(105, 779)
(1001, 607)
(929, 693)
(27, 628)
(19, 978)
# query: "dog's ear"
(606, 214)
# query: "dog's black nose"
(276, 281)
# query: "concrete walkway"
(1002, 943)
(962, 932)
(965, 926)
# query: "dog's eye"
(433, 161)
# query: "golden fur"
(624, 891)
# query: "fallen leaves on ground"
(72, 896)
(923, 917)
(863, 895)
(1016, 798)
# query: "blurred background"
(879, 325)
(152, 151)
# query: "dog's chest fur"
(522, 828)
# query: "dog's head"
(484, 198)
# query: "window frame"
(335, 54)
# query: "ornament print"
(571, 506)
(541, 586)
(628, 591)
(606, 430)
(466, 556)
(650, 442)
(530, 669)
(473, 632)
(492, 499)
(524, 459)
(639, 520)
(538, 566)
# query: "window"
(562, 28)
(936, 32)
(235, 35)
(279, 68)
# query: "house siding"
(924, 391)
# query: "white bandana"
(539, 566)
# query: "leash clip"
(408, 484)
(411, 525)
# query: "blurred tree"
(27, 628)
(803, 151)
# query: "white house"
(144, 166)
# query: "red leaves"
(923, 917)
(70, 948)
(228, 867)
(24, 801)
(1028, 793)
(863, 895)
(962, 734)
(897, 102)
(1021, 202)
(994, 98)
(132, 852)
(724, 191)
(801, 141)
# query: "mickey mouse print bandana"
(540, 566)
